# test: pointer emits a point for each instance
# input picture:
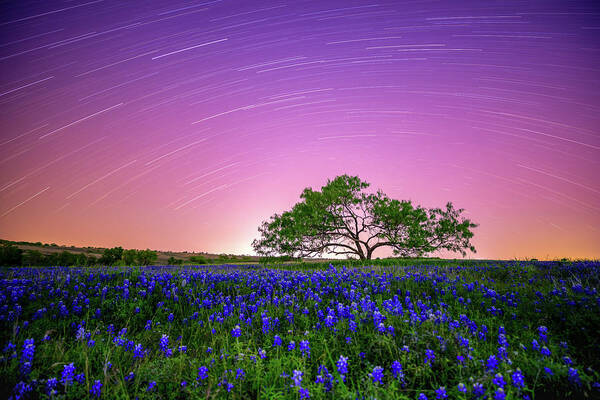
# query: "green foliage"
(129, 256)
(276, 260)
(111, 256)
(10, 255)
(198, 260)
(343, 219)
(174, 261)
(437, 293)
(146, 257)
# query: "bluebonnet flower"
(305, 348)
(96, 389)
(499, 394)
(573, 376)
(21, 389)
(502, 341)
(502, 354)
(9, 347)
(342, 367)
(548, 371)
(518, 380)
(441, 393)
(291, 346)
(183, 383)
(27, 356)
(237, 331)
(297, 377)
(325, 378)
(202, 373)
(138, 351)
(478, 390)
(567, 360)
(377, 375)
(240, 374)
(68, 374)
(51, 386)
(429, 356)
(151, 386)
(130, 376)
(460, 359)
(304, 393)
(397, 370)
(545, 351)
(499, 380)
(91, 343)
(277, 340)
(492, 363)
(462, 388)
(422, 396)
(163, 343)
(543, 331)
(80, 333)
(352, 326)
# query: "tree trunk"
(359, 249)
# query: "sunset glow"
(177, 125)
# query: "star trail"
(182, 125)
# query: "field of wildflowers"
(497, 330)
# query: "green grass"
(438, 295)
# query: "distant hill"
(162, 255)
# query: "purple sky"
(183, 125)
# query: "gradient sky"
(181, 125)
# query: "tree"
(174, 261)
(343, 219)
(146, 257)
(111, 256)
(10, 255)
(33, 257)
(66, 258)
(198, 260)
(129, 256)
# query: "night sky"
(183, 125)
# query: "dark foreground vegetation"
(497, 330)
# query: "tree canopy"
(343, 219)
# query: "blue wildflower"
(96, 389)
(499, 380)
(441, 393)
(202, 373)
(297, 377)
(237, 331)
(68, 374)
(377, 375)
(518, 380)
